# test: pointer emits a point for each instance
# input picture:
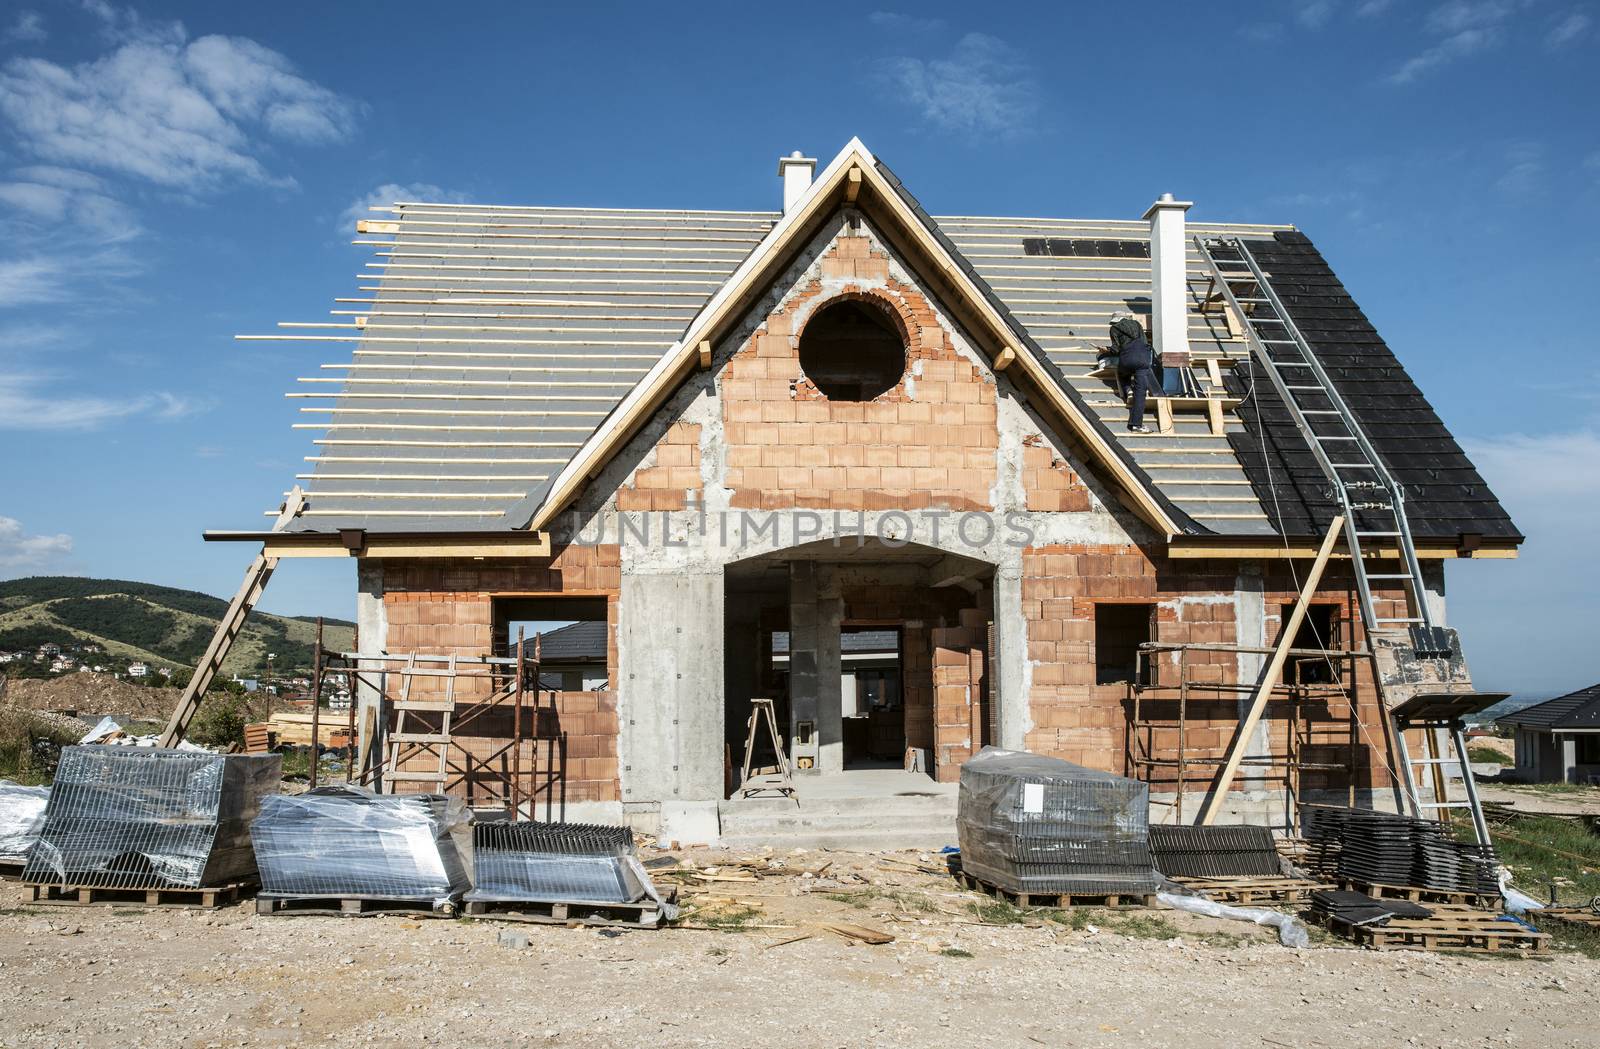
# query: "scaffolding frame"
(512, 689)
(1143, 756)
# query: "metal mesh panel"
(134, 817)
(1034, 824)
(555, 862)
(21, 816)
(1213, 852)
(344, 841)
(1383, 848)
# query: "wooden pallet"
(352, 906)
(1058, 900)
(646, 914)
(208, 898)
(1418, 894)
(11, 870)
(1584, 916)
(1450, 929)
(1260, 889)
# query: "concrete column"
(1250, 628)
(1568, 748)
(670, 703)
(1433, 594)
(1011, 641)
(830, 679)
(804, 674)
(372, 626)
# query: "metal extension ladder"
(1367, 494)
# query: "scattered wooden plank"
(1420, 894)
(792, 939)
(858, 932)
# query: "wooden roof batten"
(853, 179)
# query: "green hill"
(159, 624)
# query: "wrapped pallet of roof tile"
(141, 817)
(350, 842)
(21, 816)
(1032, 824)
(558, 863)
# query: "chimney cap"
(796, 158)
(1166, 203)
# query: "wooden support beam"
(705, 354)
(376, 226)
(1004, 358)
(852, 186)
(1269, 680)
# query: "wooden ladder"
(430, 741)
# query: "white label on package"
(1033, 797)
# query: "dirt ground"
(115, 976)
(1555, 799)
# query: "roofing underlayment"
(490, 342)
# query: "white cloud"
(981, 86)
(1464, 28)
(1313, 14)
(902, 23)
(1568, 29)
(21, 550)
(1373, 8)
(1543, 601)
(26, 405)
(181, 114)
(1457, 45)
(393, 193)
(28, 28)
(1525, 168)
(48, 196)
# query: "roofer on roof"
(1135, 366)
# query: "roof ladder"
(1368, 497)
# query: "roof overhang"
(854, 178)
(358, 542)
(1268, 547)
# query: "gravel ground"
(118, 977)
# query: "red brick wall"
(1080, 721)
(1049, 482)
(676, 471)
(446, 606)
(928, 442)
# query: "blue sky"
(174, 174)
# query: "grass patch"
(1485, 755)
(30, 746)
(1548, 855)
(717, 952)
(735, 920)
(1551, 788)
(956, 952)
(1145, 927)
(999, 912)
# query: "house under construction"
(736, 444)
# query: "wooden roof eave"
(852, 177)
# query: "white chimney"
(795, 171)
(1169, 293)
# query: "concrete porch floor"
(864, 809)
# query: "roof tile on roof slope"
(1445, 495)
(446, 428)
(1575, 710)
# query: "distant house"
(138, 669)
(49, 650)
(1558, 741)
(573, 658)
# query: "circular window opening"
(852, 351)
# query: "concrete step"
(868, 824)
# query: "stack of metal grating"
(1031, 824)
(349, 842)
(1382, 848)
(142, 818)
(1214, 852)
(555, 862)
